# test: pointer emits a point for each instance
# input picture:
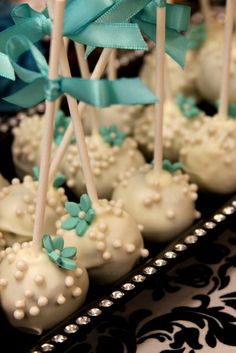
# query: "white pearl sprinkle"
(130, 248)
(61, 299)
(106, 255)
(3, 282)
(42, 301)
(144, 253)
(77, 291)
(21, 265)
(101, 246)
(69, 281)
(78, 272)
(39, 279)
(117, 243)
(28, 293)
(19, 314)
(18, 275)
(170, 214)
(20, 304)
(34, 310)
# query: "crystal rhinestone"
(209, 225)
(191, 239)
(200, 232)
(139, 278)
(170, 255)
(128, 286)
(149, 270)
(160, 262)
(106, 303)
(117, 294)
(59, 338)
(71, 328)
(228, 210)
(83, 320)
(36, 352)
(180, 247)
(234, 203)
(219, 217)
(47, 347)
(94, 312)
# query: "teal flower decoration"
(59, 179)
(231, 109)
(196, 36)
(112, 135)
(62, 257)
(82, 215)
(171, 167)
(187, 106)
(60, 126)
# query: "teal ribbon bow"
(100, 93)
(79, 25)
(143, 13)
(177, 23)
(62, 257)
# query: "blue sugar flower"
(112, 135)
(60, 126)
(59, 179)
(171, 167)
(61, 256)
(82, 215)
(187, 106)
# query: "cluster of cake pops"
(135, 176)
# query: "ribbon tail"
(176, 46)
(6, 68)
(117, 35)
(28, 96)
(103, 93)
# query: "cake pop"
(107, 237)
(154, 201)
(39, 290)
(110, 153)
(17, 209)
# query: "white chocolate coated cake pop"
(17, 209)
(210, 156)
(124, 117)
(179, 80)
(177, 129)
(210, 65)
(37, 294)
(108, 239)
(162, 205)
(106, 162)
(26, 144)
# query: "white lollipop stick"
(54, 57)
(97, 73)
(160, 87)
(111, 68)
(206, 11)
(85, 73)
(228, 36)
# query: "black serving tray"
(217, 212)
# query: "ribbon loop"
(53, 90)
